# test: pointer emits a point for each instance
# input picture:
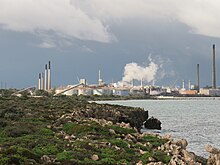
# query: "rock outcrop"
(214, 158)
(114, 113)
(152, 123)
(180, 156)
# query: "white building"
(102, 91)
(121, 91)
(71, 92)
(85, 91)
(210, 92)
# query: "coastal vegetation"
(70, 130)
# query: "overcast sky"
(161, 40)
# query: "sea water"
(195, 119)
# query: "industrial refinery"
(120, 89)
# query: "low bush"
(49, 149)
(121, 130)
(64, 156)
(155, 141)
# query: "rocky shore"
(69, 131)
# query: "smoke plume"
(133, 71)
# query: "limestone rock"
(155, 163)
(112, 132)
(212, 150)
(139, 163)
(46, 158)
(176, 160)
(151, 159)
(167, 136)
(142, 152)
(214, 160)
(182, 143)
(189, 157)
(95, 157)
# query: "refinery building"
(44, 83)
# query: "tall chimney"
(189, 85)
(100, 81)
(213, 69)
(45, 78)
(39, 82)
(42, 81)
(198, 83)
(183, 85)
(49, 77)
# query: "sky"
(157, 41)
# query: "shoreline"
(197, 139)
(65, 131)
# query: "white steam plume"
(133, 71)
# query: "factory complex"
(128, 88)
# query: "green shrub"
(46, 132)
(155, 141)
(145, 157)
(20, 129)
(3, 136)
(3, 124)
(119, 143)
(49, 149)
(123, 161)
(63, 156)
(121, 130)
(17, 155)
(108, 153)
(27, 153)
(108, 161)
(85, 128)
(142, 147)
(161, 156)
(88, 161)
(4, 160)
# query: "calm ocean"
(195, 119)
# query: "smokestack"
(213, 69)
(189, 85)
(39, 82)
(42, 81)
(183, 85)
(49, 77)
(100, 80)
(198, 83)
(45, 78)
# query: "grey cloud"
(61, 17)
(90, 20)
